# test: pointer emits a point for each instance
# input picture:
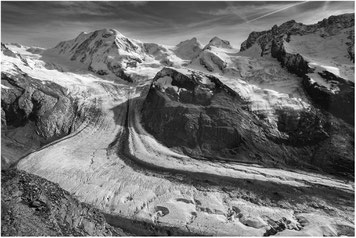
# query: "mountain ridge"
(322, 54)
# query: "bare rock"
(34, 114)
(197, 115)
(33, 206)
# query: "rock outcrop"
(34, 114)
(33, 206)
(189, 117)
(198, 115)
(341, 104)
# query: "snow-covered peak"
(108, 52)
(188, 49)
(104, 51)
(192, 41)
(328, 44)
(220, 43)
(111, 32)
(216, 56)
(331, 26)
(103, 38)
(105, 33)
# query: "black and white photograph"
(177, 118)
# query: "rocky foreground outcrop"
(198, 115)
(33, 206)
(335, 30)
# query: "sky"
(45, 24)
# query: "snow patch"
(165, 82)
(316, 78)
(329, 52)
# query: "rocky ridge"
(327, 27)
(276, 43)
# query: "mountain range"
(189, 139)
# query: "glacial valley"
(186, 139)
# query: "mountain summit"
(188, 49)
(104, 51)
(219, 43)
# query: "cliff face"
(198, 115)
(32, 115)
(33, 206)
(32, 101)
(341, 104)
(35, 112)
(319, 67)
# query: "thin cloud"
(137, 3)
(276, 11)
